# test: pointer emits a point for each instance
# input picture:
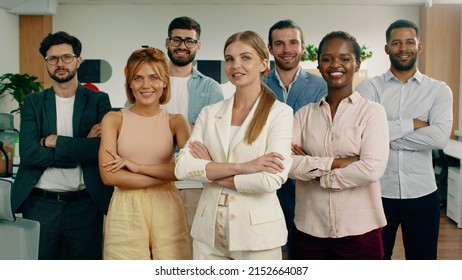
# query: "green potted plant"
(18, 85)
(310, 53)
(365, 52)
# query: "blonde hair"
(158, 61)
(267, 96)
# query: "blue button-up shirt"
(409, 172)
(202, 91)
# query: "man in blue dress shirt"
(293, 86)
(419, 111)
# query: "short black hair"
(342, 35)
(401, 23)
(59, 38)
(184, 23)
(285, 23)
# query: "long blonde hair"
(267, 96)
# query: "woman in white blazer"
(241, 149)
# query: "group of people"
(291, 160)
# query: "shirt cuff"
(407, 126)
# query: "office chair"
(7, 152)
(6, 122)
(19, 238)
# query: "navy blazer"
(38, 119)
(307, 88)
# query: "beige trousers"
(145, 224)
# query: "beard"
(182, 61)
(287, 66)
(64, 79)
(403, 67)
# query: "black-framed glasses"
(188, 42)
(54, 59)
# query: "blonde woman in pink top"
(340, 151)
(146, 218)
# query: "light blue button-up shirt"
(202, 91)
(409, 172)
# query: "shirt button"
(232, 217)
(232, 198)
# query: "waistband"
(61, 196)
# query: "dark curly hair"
(59, 38)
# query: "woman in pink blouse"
(340, 151)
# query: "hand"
(95, 131)
(271, 162)
(119, 163)
(50, 141)
(198, 150)
(419, 124)
(343, 162)
(297, 150)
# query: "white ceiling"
(7, 4)
(33, 6)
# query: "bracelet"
(43, 142)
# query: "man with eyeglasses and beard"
(419, 111)
(58, 182)
(190, 90)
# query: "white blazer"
(256, 220)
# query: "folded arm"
(434, 134)
(122, 177)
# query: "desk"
(19, 239)
(6, 213)
(454, 204)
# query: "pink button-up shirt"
(344, 201)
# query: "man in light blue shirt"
(293, 86)
(190, 89)
(419, 111)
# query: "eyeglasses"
(188, 42)
(54, 59)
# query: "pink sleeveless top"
(145, 140)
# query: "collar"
(196, 74)
(353, 98)
(293, 81)
(417, 76)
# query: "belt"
(223, 199)
(61, 196)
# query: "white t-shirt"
(179, 100)
(63, 179)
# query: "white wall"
(9, 56)
(112, 32)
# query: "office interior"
(111, 30)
